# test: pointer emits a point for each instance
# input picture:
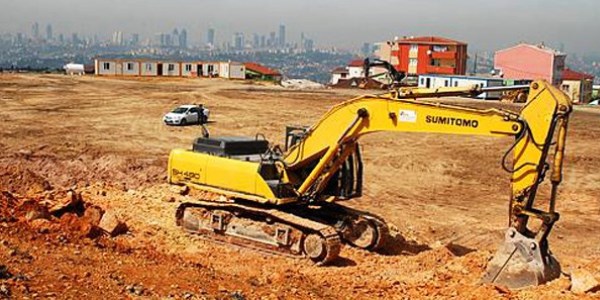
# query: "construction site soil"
(444, 197)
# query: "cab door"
(193, 115)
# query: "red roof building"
(258, 68)
(258, 71)
(429, 55)
(569, 74)
(356, 63)
(578, 86)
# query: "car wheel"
(183, 122)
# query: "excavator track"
(356, 228)
(268, 230)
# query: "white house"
(130, 68)
(356, 69)
(232, 70)
(435, 81)
(149, 68)
(171, 68)
(210, 69)
(105, 67)
(339, 73)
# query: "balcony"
(444, 55)
(440, 70)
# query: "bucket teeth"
(521, 262)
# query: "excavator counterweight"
(290, 201)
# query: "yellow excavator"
(289, 200)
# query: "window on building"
(414, 47)
(446, 82)
(422, 81)
(129, 66)
(455, 83)
(171, 67)
(565, 87)
(106, 66)
(440, 48)
(188, 68)
(413, 62)
(148, 67)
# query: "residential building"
(339, 73)
(232, 70)
(578, 86)
(435, 81)
(171, 68)
(425, 55)
(596, 92)
(532, 62)
(355, 70)
(383, 51)
(258, 71)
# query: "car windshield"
(179, 110)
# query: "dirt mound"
(54, 212)
(29, 172)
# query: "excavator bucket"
(521, 262)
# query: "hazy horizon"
(484, 25)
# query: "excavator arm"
(395, 75)
(524, 258)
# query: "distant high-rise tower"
(238, 41)
(272, 41)
(19, 38)
(161, 39)
(210, 36)
(117, 38)
(366, 49)
(255, 41)
(175, 35)
(281, 35)
(35, 30)
(183, 38)
(135, 39)
(49, 35)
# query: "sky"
(483, 24)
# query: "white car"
(187, 114)
(595, 102)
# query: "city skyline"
(178, 37)
(345, 26)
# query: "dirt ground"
(446, 196)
